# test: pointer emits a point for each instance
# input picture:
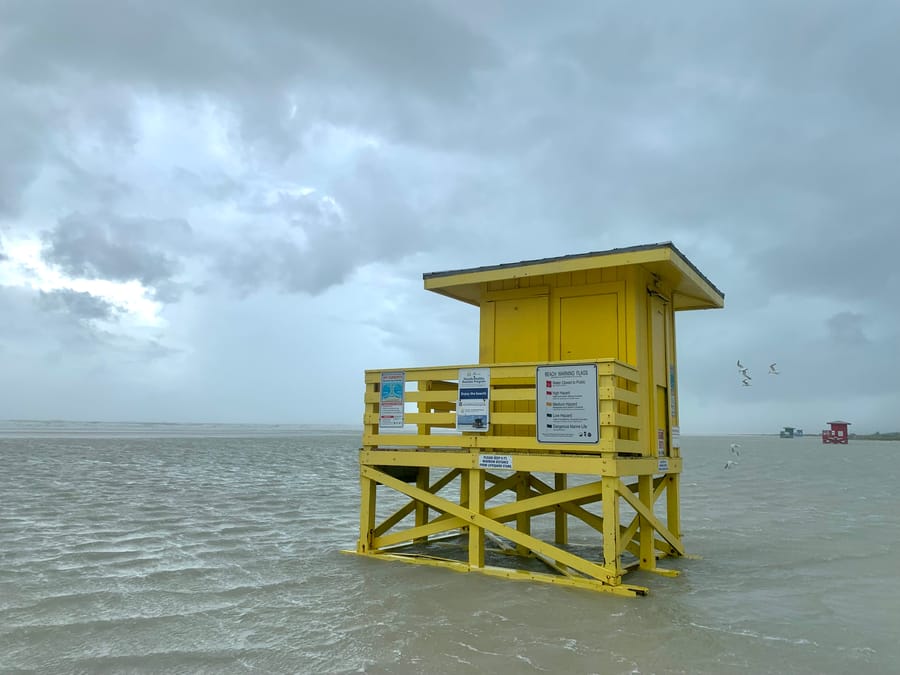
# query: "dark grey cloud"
(761, 138)
(846, 328)
(215, 185)
(61, 328)
(21, 145)
(213, 43)
(724, 121)
(317, 59)
(770, 128)
(84, 185)
(109, 246)
(309, 242)
(277, 72)
(79, 304)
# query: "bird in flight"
(772, 369)
(740, 365)
(746, 383)
(730, 463)
(746, 373)
(736, 448)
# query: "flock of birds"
(747, 380)
(736, 451)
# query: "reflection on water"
(211, 548)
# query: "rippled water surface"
(191, 549)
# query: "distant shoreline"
(890, 436)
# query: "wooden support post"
(645, 528)
(464, 495)
(423, 479)
(476, 505)
(368, 491)
(561, 520)
(673, 509)
(610, 501)
(423, 476)
(523, 520)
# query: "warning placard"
(567, 409)
(392, 400)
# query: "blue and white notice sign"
(473, 405)
(393, 387)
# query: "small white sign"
(473, 405)
(660, 442)
(673, 404)
(676, 437)
(567, 408)
(392, 395)
(663, 465)
(495, 462)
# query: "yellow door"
(516, 330)
(589, 327)
(520, 330)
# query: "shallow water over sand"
(205, 548)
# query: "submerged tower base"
(476, 506)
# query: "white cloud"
(25, 267)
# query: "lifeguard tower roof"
(691, 289)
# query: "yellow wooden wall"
(593, 314)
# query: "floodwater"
(216, 549)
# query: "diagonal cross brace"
(586, 567)
(648, 514)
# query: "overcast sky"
(221, 211)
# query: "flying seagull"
(740, 365)
(730, 463)
(772, 369)
(746, 373)
(736, 448)
(746, 383)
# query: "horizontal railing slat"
(433, 392)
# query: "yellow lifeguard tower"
(570, 413)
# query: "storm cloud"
(107, 246)
(300, 165)
(77, 303)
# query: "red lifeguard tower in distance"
(837, 433)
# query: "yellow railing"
(430, 416)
